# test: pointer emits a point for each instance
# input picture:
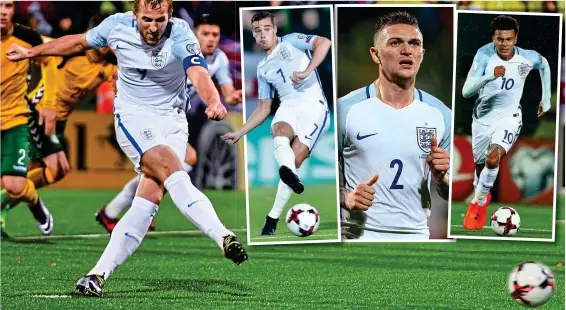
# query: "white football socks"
(485, 183)
(195, 206)
(126, 237)
(126, 196)
(281, 198)
(123, 199)
(284, 153)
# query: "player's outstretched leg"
(281, 198)
(127, 236)
(485, 182)
(20, 189)
(286, 159)
(199, 210)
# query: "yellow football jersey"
(14, 86)
(77, 77)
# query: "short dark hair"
(263, 15)
(96, 20)
(395, 18)
(504, 22)
(206, 19)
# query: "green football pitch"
(185, 270)
(322, 197)
(536, 221)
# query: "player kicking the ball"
(498, 75)
(207, 30)
(303, 114)
(155, 53)
(391, 137)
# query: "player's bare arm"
(544, 105)
(258, 116)
(47, 111)
(207, 91)
(231, 95)
(63, 46)
(439, 163)
(321, 46)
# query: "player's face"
(505, 41)
(208, 37)
(152, 21)
(399, 51)
(6, 14)
(265, 33)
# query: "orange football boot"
(471, 218)
(482, 212)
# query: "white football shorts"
(503, 132)
(309, 121)
(138, 131)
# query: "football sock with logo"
(485, 183)
(195, 206)
(281, 198)
(284, 153)
(123, 200)
(126, 237)
(41, 176)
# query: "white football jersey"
(292, 53)
(501, 97)
(218, 69)
(149, 76)
(374, 138)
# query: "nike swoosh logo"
(192, 203)
(127, 234)
(119, 48)
(306, 137)
(365, 136)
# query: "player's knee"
(13, 185)
(492, 159)
(160, 162)
(151, 191)
(191, 156)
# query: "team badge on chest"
(524, 70)
(424, 138)
(158, 59)
(284, 53)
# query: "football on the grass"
(505, 221)
(303, 220)
(531, 284)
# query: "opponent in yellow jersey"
(14, 118)
(75, 79)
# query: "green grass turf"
(536, 221)
(322, 197)
(188, 272)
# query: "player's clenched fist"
(16, 52)
(499, 71)
(361, 197)
(215, 111)
(438, 161)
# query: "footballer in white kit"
(155, 54)
(302, 117)
(207, 32)
(374, 142)
(392, 138)
(498, 75)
